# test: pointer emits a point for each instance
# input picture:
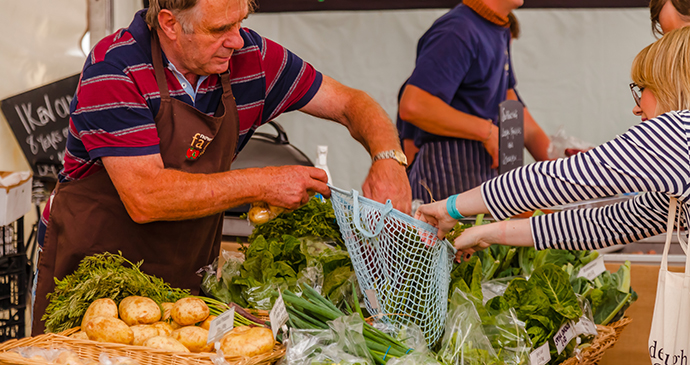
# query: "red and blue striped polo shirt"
(113, 111)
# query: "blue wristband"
(452, 209)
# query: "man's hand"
(290, 186)
(491, 145)
(387, 179)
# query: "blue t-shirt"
(464, 60)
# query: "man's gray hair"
(183, 10)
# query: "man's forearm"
(176, 195)
(369, 124)
(433, 115)
(151, 192)
(356, 110)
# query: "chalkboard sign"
(39, 119)
(511, 140)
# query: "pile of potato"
(181, 326)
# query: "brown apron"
(87, 216)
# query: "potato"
(136, 310)
(207, 323)
(100, 307)
(247, 341)
(81, 335)
(143, 332)
(188, 311)
(107, 329)
(165, 343)
(164, 328)
(194, 338)
(167, 307)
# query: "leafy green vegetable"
(554, 283)
(316, 218)
(273, 264)
(612, 295)
(98, 276)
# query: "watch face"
(400, 156)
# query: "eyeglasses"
(636, 92)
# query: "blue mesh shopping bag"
(400, 259)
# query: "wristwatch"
(394, 154)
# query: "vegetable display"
(298, 246)
(276, 264)
(544, 289)
(313, 311)
(314, 219)
(99, 276)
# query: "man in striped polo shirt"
(161, 110)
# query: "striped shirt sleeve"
(111, 117)
(651, 157)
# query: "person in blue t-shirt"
(463, 72)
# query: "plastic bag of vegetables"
(329, 346)
(464, 340)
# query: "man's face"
(216, 35)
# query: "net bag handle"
(358, 224)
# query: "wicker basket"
(91, 350)
(607, 337)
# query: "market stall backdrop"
(572, 64)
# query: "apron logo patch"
(199, 144)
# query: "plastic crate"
(14, 281)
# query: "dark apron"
(87, 216)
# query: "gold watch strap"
(392, 154)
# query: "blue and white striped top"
(652, 157)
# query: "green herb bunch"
(316, 218)
(103, 275)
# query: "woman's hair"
(663, 68)
(183, 10)
(514, 26)
(655, 6)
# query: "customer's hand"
(472, 240)
(437, 215)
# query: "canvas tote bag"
(669, 340)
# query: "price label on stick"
(278, 315)
(585, 327)
(563, 336)
(221, 325)
(371, 296)
(593, 269)
(540, 356)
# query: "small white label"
(585, 327)
(540, 356)
(278, 315)
(221, 325)
(371, 296)
(593, 269)
(563, 336)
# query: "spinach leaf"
(555, 284)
